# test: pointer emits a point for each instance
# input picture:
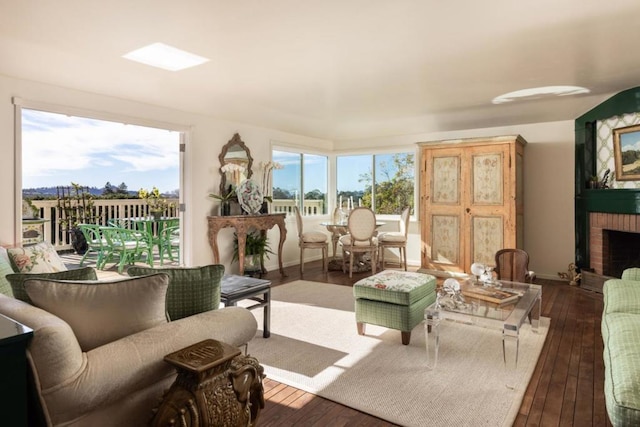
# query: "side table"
(235, 288)
(216, 386)
(14, 338)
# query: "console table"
(243, 224)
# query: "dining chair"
(396, 239)
(311, 240)
(513, 265)
(360, 238)
(127, 245)
(96, 244)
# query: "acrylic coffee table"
(507, 317)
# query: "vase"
(225, 208)
(156, 215)
(264, 209)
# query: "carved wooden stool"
(216, 386)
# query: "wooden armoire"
(471, 201)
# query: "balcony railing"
(104, 210)
(107, 209)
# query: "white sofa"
(118, 383)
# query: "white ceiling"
(335, 68)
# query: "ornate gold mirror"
(235, 163)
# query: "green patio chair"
(127, 245)
(169, 243)
(96, 244)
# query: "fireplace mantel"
(622, 201)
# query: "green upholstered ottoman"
(394, 299)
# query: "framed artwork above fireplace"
(626, 149)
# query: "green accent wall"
(587, 200)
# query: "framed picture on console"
(626, 149)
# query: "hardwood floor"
(567, 387)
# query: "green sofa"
(621, 336)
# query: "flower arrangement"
(267, 179)
(155, 201)
(235, 171)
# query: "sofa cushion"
(100, 312)
(5, 269)
(621, 334)
(191, 290)
(396, 287)
(621, 296)
(16, 280)
(38, 258)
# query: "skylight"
(166, 57)
(540, 92)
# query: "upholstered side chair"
(361, 238)
(396, 239)
(513, 265)
(311, 240)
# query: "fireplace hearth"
(614, 242)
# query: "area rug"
(314, 346)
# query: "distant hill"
(52, 192)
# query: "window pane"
(394, 182)
(354, 180)
(315, 184)
(286, 181)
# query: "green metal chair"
(169, 243)
(127, 245)
(96, 244)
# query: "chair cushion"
(313, 237)
(392, 237)
(191, 290)
(17, 279)
(346, 241)
(38, 258)
(100, 312)
(397, 287)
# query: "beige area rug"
(314, 346)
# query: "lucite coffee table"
(507, 317)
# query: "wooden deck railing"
(106, 209)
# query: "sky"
(630, 141)
(59, 149)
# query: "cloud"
(54, 143)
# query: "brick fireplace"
(614, 242)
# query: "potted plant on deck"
(76, 206)
(158, 205)
(255, 251)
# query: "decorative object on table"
(158, 205)
(216, 385)
(225, 199)
(483, 273)
(450, 297)
(249, 196)
(496, 296)
(76, 206)
(236, 172)
(572, 275)
(267, 179)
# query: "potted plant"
(256, 249)
(76, 206)
(225, 198)
(158, 205)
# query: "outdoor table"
(153, 227)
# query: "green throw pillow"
(191, 290)
(17, 279)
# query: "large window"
(383, 182)
(301, 181)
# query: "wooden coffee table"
(237, 288)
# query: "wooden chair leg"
(382, 259)
(361, 328)
(374, 261)
(301, 260)
(403, 252)
(351, 264)
(406, 337)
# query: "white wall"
(549, 166)
(208, 135)
(548, 187)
